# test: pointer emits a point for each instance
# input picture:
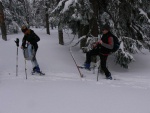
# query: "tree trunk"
(60, 34)
(26, 8)
(93, 26)
(52, 25)
(83, 31)
(93, 21)
(2, 23)
(60, 31)
(47, 20)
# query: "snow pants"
(34, 60)
(103, 60)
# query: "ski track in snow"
(136, 82)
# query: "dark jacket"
(107, 44)
(32, 38)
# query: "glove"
(17, 42)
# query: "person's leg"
(103, 59)
(88, 57)
(35, 63)
(90, 54)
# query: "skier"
(103, 49)
(31, 38)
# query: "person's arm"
(23, 42)
(110, 44)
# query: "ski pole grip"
(17, 42)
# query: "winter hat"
(106, 27)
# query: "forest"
(129, 21)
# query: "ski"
(111, 79)
(39, 73)
(99, 73)
(83, 67)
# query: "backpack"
(116, 44)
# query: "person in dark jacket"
(103, 49)
(31, 38)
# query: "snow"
(144, 13)
(67, 5)
(62, 90)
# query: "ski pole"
(25, 63)
(81, 75)
(98, 72)
(17, 44)
(25, 69)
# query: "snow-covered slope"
(62, 90)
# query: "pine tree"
(16, 14)
(129, 20)
(2, 22)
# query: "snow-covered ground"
(62, 90)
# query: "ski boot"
(36, 69)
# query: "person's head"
(24, 29)
(105, 28)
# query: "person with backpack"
(102, 48)
(31, 39)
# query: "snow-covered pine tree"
(38, 12)
(128, 18)
(128, 47)
(41, 8)
(16, 14)
(78, 16)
